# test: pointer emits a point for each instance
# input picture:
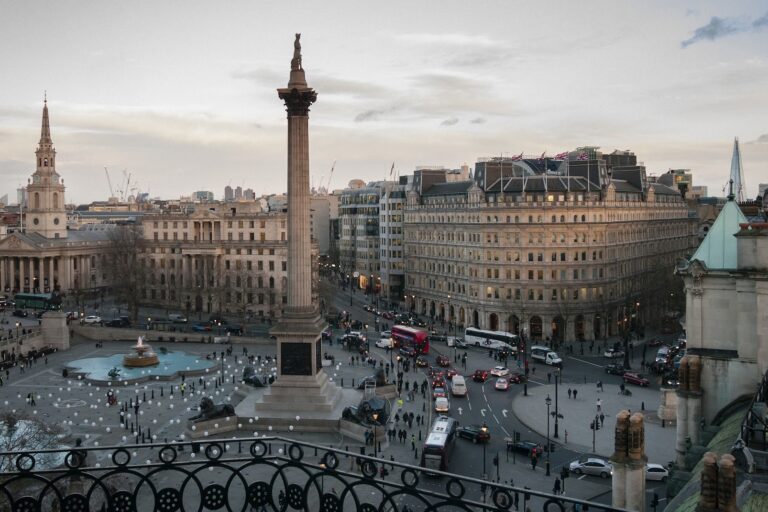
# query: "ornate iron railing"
(248, 474)
(754, 426)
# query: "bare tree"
(126, 267)
(21, 432)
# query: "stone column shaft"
(299, 242)
(21, 274)
(51, 279)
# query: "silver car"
(591, 466)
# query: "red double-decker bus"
(405, 336)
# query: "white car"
(92, 319)
(502, 384)
(592, 466)
(613, 354)
(384, 343)
(656, 472)
(385, 334)
(500, 371)
(442, 404)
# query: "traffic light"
(592, 425)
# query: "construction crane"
(330, 175)
(109, 182)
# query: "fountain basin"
(169, 366)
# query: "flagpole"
(501, 160)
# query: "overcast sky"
(182, 94)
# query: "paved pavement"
(578, 413)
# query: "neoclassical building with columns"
(43, 256)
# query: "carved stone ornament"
(297, 102)
(14, 243)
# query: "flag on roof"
(561, 156)
(516, 158)
(541, 158)
(583, 156)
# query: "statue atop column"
(296, 60)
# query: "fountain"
(144, 356)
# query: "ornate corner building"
(577, 247)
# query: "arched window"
(37, 201)
(45, 163)
(271, 282)
(55, 200)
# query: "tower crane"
(109, 182)
(330, 175)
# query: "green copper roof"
(718, 250)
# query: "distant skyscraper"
(203, 196)
(249, 194)
(238, 193)
(229, 194)
(737, 173)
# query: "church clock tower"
(45, 192)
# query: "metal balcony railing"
(244, 474)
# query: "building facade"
(227, 257)
(43, 256)
(577, 248)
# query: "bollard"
(233, 379)
(342, 382)
(416, 453)
(153, 393)
(585, 379)
(145, 397)
(161, 390)
(663, 423)
(419, 435)
(424, 407)
(525, 389)
(642, 406)
(353, 382)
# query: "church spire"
(45, 131)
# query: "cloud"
(450, 122)
(261, 76)
(715, 29)
(478, 120)
(455, 39)
(373, 114)
(761, 22)
(763, 139)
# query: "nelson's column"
(302, 387)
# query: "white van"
(545, 355)
(458, 386)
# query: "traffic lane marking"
(586, 362)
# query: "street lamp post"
(548, 401)
(557, 429)
(484, 429)
(375, 421)
(18, 324)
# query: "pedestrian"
(556, 489)
(602, 419)
(574, 394)
(397, 418)
(534, 459)
(549, 377)
(413, 442)
(621, 388)
(570, 392)
(599, 385)
(599, 404)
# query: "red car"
(439, 392)
(443, 361)
(480, 376)
(438, 383)
(635, 378)
(517, 378)
(450, 373)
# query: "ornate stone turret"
(718, 484)
(45, 192)
(629, 462)
(689, 396)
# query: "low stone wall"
(97, 333)
(212, 427)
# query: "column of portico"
(2, 275)
(21, 274)
(50, 273)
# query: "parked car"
(480, 375)
(635, 378)
(20, 313)
(615, 369)
(474, 433)
(591, 466)
(656, 472)
(502, 384)
(117, 322)
(500, 371)
(442, 405)
(91, 320)
(443, 361)
(613, 353)
(526, 447)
